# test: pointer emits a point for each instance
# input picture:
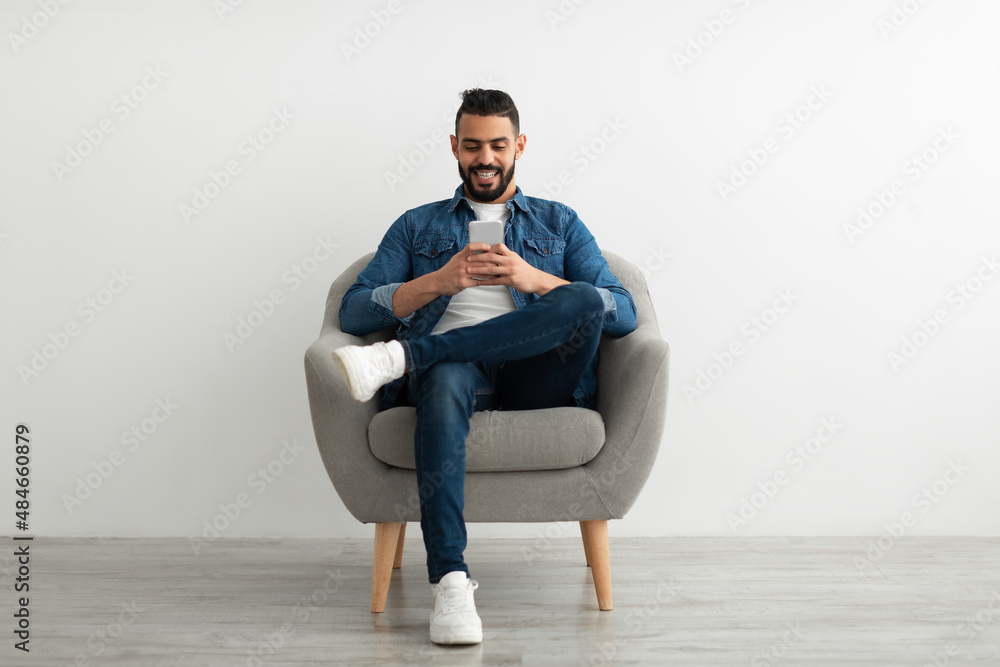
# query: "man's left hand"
(503, 266)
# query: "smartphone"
(485, 231)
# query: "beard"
(486, 195)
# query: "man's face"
(486, 149)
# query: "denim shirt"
(546, 234)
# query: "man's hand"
(497, 266)
(503, 266)
(455, 276)
(450, 279)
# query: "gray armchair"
(558, 464)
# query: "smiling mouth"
(485, 175)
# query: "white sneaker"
(367, 367)
(454, 619)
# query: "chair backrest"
(626, 272)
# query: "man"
(514, 327)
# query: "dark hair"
(479, 102)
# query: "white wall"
(881, 95)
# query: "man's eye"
(499, 147)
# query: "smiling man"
(513, 327)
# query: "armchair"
(558, 464)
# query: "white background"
(894, 77)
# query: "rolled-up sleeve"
(610, 305)
(382, 301)
(367, 304)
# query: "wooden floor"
(678, 601)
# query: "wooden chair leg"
(386, 540)
(595, 537)
(398, 561)
(586, 547)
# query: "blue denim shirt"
(546, 234)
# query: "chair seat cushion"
(500, 441)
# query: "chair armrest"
(632, 379)
(341, 425)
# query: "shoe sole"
(450, 636)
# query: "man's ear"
(520, 142)
(454, 145)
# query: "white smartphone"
(485, 231)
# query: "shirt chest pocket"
(545, 254)
(431, 253)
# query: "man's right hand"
(450, 279)
(454, 276)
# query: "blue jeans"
(527, 359)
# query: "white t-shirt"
(482, 302)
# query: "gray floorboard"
(678, 601)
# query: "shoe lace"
(458, 598)
(380, 363)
